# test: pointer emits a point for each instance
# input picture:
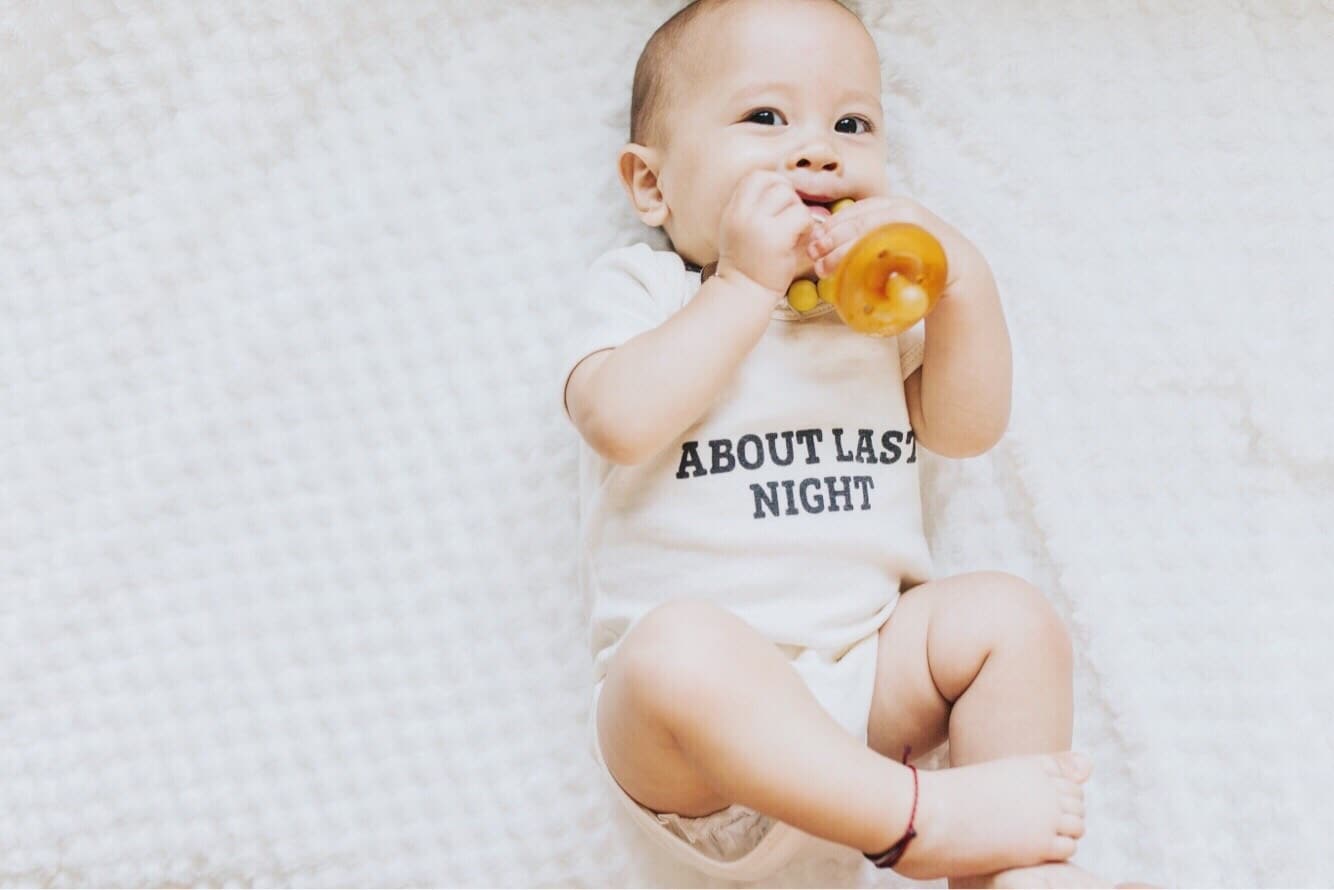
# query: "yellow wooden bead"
(802, 295)
(825, 289)
(841, 204)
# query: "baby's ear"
(638, 166)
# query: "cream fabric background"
(288, 506)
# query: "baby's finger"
(849, 225)
(753, 188)
(811, 232)
(778, 197)
(767, 181)
(828, 263)
(795, 218)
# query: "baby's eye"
(855, 120)
(765, 116)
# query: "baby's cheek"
(880, 184)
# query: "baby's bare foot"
(979, 819)
(1050, 874)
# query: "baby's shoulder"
(640, 255)
(662, 273)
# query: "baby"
(769, 642)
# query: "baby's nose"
(815, 155)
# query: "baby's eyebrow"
(856, 95)
(758, 88)
(861, 96)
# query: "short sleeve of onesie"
(626, 291)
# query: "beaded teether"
(888, 281)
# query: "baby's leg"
(699, 711)
(984, 657)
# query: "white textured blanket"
(287, 501)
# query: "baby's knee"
(677, 637)
(1026, 616)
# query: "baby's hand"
(828, 247)
(764, 231)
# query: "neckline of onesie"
(782, 309)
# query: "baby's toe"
(1070, 825)
(1072, 765)
(1062, 848)
(1066, 788)
(1073, 804)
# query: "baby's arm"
(959, 399)
(629, 402)
(964, 384)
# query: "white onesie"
(793, 502)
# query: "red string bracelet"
(889, 857)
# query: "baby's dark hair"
(651, 92)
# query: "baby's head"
(725, 87)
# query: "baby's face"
(792, 87)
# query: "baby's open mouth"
(820, 205)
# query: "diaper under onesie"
(793, 502)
